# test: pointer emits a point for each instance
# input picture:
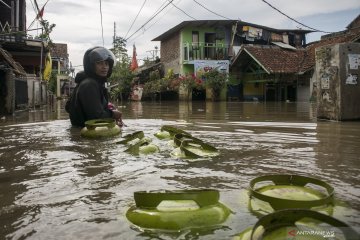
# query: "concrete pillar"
(338, 87)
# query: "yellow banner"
(48, 67)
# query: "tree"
(47, 29)
(121, 75)
(119, 48)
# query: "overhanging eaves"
(257, 61)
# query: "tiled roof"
(275, 59)
(59, 51)
(279, 60)
(343, 37)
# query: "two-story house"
(195, 46)
(27, 89)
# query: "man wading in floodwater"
(90, 98)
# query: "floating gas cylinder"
(275, 192)
(177, 210)
(168, 132)
(301, 224)
(98, 128)
(138, 144)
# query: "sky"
(83, 24)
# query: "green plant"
(215, 80)
(121, 77)
(47, 29)
(52, 82)
(190, 81)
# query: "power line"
(211, 10)
(293, 18)
(102, 28)
(150, 19)
(182, 10)
(152, 16)
(154, 22)
(135, 18)
(157, 11)
(134, 38)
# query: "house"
(350, 35)
(62, 67)
(198, 46)
(25, 51)
(60, 58)
(12, 78)
(282, 73)
(269, 73)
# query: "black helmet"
(96, 54)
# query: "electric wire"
(152, 16)
(36, 12)
(211, 10)
(293, 18)
(159, 18)
(157, 11)
(32, 4)
(5, 4)
(142, 26)
(102, 27)
(182, 10)
(135, 18)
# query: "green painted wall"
(186, 34)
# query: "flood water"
(55, 184)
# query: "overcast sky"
(78, 23)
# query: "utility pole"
(114, 35)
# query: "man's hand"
(117, 115)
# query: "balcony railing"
(10, 34)
(205, 51)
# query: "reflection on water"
(56, 185)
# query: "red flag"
(41, 13)
(134, 65)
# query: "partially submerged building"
(263, 63)
(23, 59)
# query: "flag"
(134, 65)
(41, 13)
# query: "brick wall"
(170, 53)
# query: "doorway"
(210, 45)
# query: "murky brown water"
(56, 185)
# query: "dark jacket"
(88, 101)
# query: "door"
(210, 45)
